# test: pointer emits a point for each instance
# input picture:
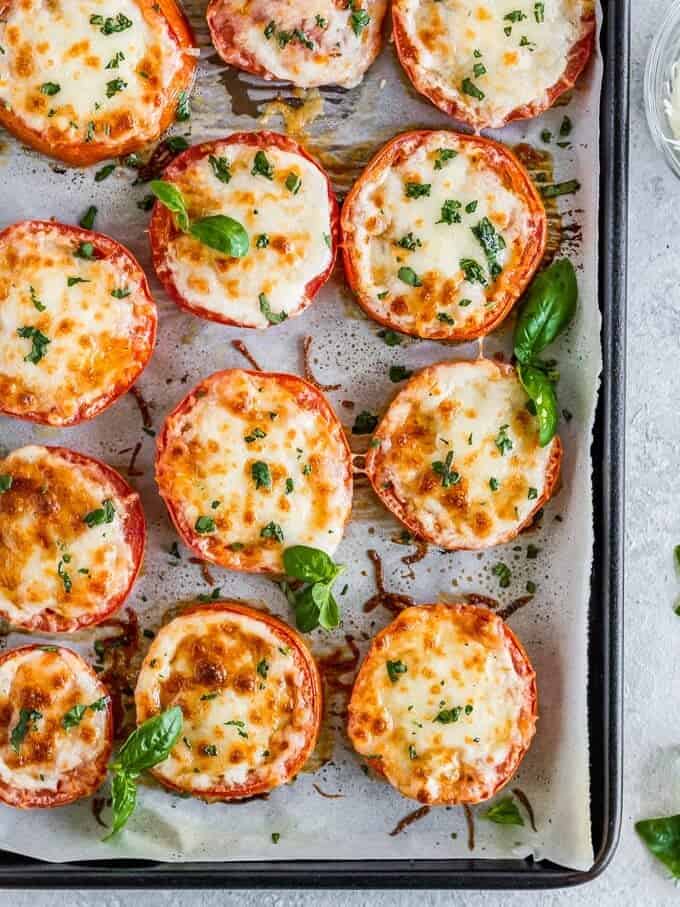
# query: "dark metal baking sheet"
(606, 613)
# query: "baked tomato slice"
(457, 456)
(56, 727)
(442, 232)
(72, 536)
(250, 463)
(77, 322)
(493, 63)
(82, 82)
(444, 704)
(324, 43)
(250, 693)
(283, 201)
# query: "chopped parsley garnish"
(409, 241)
(206, 697)
(471, 207)
(409, 276)
(391, 338)
(183, 109)
(443, 155)
(5, 482)
(50, 88)
(220, 168)
(479, 69)
(64, 574)
(87, 220)
(36, 301)
(204, 524)
(293, 183)
(494, 484)
(85, 250)
(503, 442)
(272, 531)
(104, 172)
(117, 58)
(101, 515)
(449, 476)
(210, 596)
(209, 749)
(412, 754)
(359, 20)
(515, 16)
(290, 486)
(525, 42)
(72, 281)
(565, 127)
(321, 22)
(114, 86)
(262, 241)
(448, 716)
(394, 669)
(75, 715)
(472, 271)
(239, 725)
(365, 423)
(502, 571)
(270, 29)
(557, 189)
(417, 190)
(445, 318)
(469, 87)
(263, 668)
(491, 242)
(532, 494)
(532, 552)
(272, 317)
(262, 167)
(546, 136)
(111, 25)
(28, 719)
(276, 837)
(39, 343)
(120, 292)
(450, 213)
(464, 303)
(539, 12)
(399, 373)
(261, 475)
(255, 434)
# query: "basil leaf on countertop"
(123, 801)
(547, 309)
(222, 233)
(308, 564)
(504, 812)
(662, 837)
(314, 603)
(541, 392)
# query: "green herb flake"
(262, 166)
(468, 87)
(539, 12)
(502, 441)
(417, 190)
(262, 241)
(204, 524)
(76, 714)
(28, 719)
(399, 373)
(255, 435)
(265, 308)
(365, 423)
(261, 474)
(50, 88)
(472, 271)
(502, 571)
(114, 87)
(391, 338)
(554, 190)
(293, 183)
(272, 531)
(39, 343)
(183, 109)
(104, 173)
(448, 716)
(87, 220)
(445, 318)
(450, 212)
(37, 303)
(101, 515)
(263, 668)
(220, 168)
(448, 475)
(5, 482)
(394, 669)
(443, 156)
(359, 20)
(409, 277)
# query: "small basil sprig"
(218, 231)
(662, 837)
(146, 746)
(547, 309)
(504, 812)
(314, 603)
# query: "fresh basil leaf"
(320, 594)
(306, 611)
(150, 743)
(309, 564)
(123, 801)
(662, 837)
(547, 309)
(172, 198)
(505, 812)
(221, 233)
(541, 392)
(329, 613)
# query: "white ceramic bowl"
(662, 87)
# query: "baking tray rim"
(606, 614)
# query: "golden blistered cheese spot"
(244, 694)
(93, 340)
(289, 232)
(103, 85)
(461, 452)
(264, 453)
(522, 49)
(50, 559)
(416, 245)
(457, 717)
(47, 685)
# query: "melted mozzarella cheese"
(50, 559)
(87, 70)
(289, 232)
(307, 43)
(94, 337)
(476, 412)
(245, 694)
(414, 243)
(455, 715)
(50, 683)
(511, 52)
(258, 458)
